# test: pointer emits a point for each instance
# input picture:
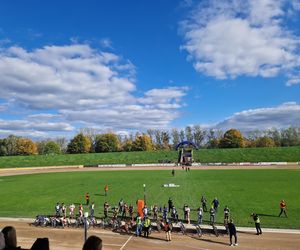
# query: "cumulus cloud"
(81, 85)
(227, 39)
(284, 115)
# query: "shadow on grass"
(99, 194)
(268, 215)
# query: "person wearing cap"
(282, 208)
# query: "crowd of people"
(162, 215)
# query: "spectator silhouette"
(92, 243)
(2, 241)
(10, 237)
(40, 244)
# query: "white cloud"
(79, 85)
(106, 43)
(293, 81)
(168, 98)
(32, 126)
(282, 116)
(227, 39)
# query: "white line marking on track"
(113, 245)
(126, 242)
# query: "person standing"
(138, 225)
(92, 209)
(257, 223)
(125, 210)
(105, 207)
(155, 212)
(173, 172)
(57, 209)
(168, 231)
(80, 211)
(188, 211)
(106, 190)
(212, 213)
(72, 209)
(165, 213)
(130, 211)
(282, 208)
(226, 213)
(200, 215)
(174, 214)
(170, 204)
(232, 232)
(87, 198)
(147, 224)
(64, 210)
(204, 201)
(145, 211)
(215, 203)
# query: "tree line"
(89, 141)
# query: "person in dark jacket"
(232, 232)
(257, 223)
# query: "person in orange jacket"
(106, 189)
(282, 206)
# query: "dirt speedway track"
(70, 238)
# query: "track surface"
(61, 239)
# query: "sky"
(133, 65)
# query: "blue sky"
(134, 65)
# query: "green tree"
(264, 141)
(165, 138)
(128, 145)
(107, 143)
(3, 149)
(79, 144)
(189, 133)
(175, 137)
(232, 138)
(198, 135)
(275, 135)
(11, 144)
(51, 148)
(181, 135)
(213, 138)
(290, 136)
(142, 143)
(158, 139)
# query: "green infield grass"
(281, 154)
(244, 191)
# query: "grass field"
(244, 191)
(289, 154)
